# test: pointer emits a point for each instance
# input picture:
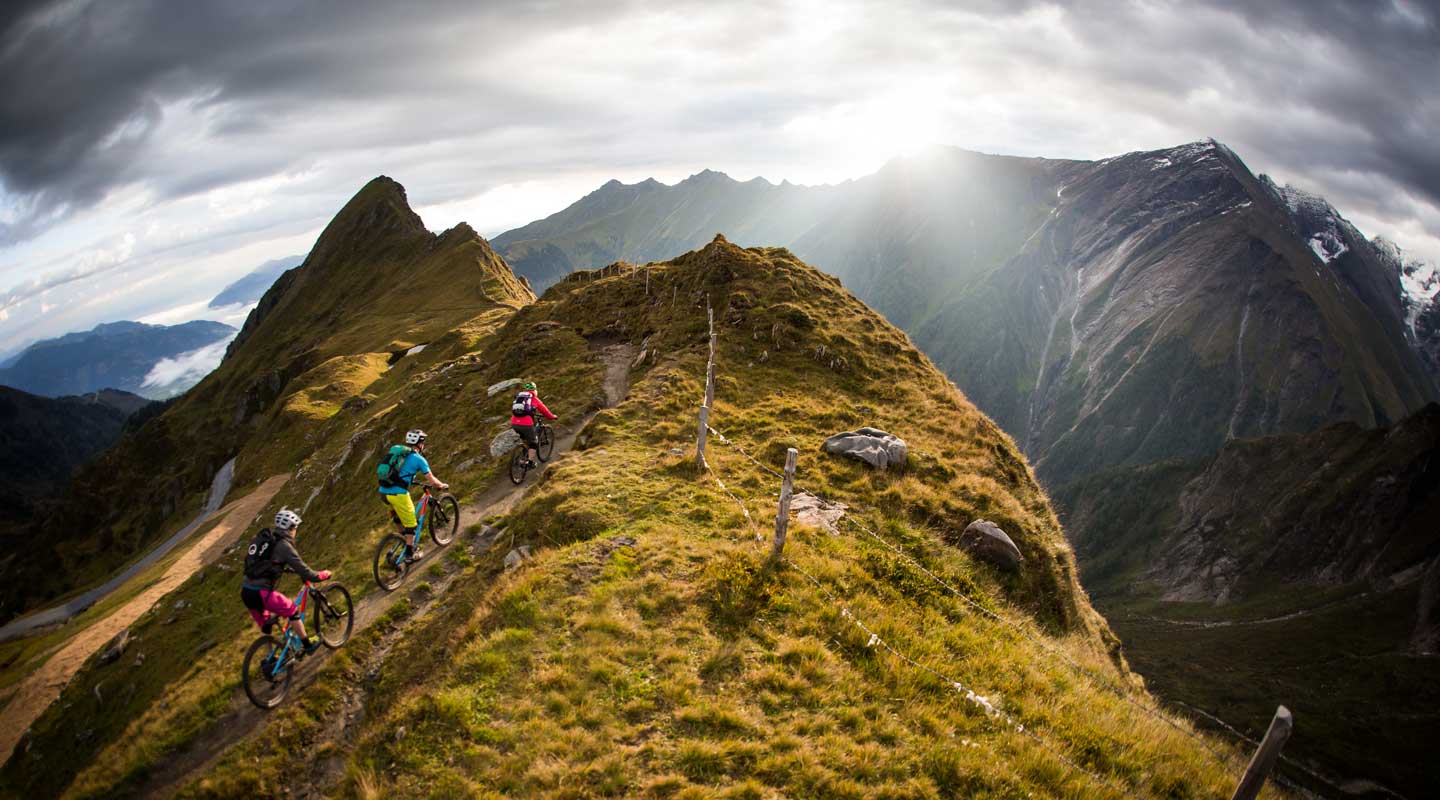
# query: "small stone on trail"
(400, 733)
(518, 556)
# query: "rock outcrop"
(871, 445)
(984, 540)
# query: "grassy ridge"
(649, 651)
(679, 663)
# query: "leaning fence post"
(1265, 755)
(710, 384)
(782, 516)
(700, 437)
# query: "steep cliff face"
(1325, 509)
(1291, 567)
(1170, 303)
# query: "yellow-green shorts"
(403, 507)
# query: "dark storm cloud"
(1303, 87)
(1306, 86)
(83, 85)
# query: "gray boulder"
(986, 541)
(496, 388)
(871, 445)
(504, 442)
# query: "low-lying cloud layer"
(210, 133)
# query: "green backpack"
(389, 470)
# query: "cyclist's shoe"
(529, 463)
(311, 645)
(414, 555)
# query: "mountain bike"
(520, 461)
(440, 514)
(269, 664)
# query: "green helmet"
(528, 386)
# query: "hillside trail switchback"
(40, 688)
(241, 719)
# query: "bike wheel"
(444, 519)
(390, 566)
(265, 686)
(334, 615)
(547, 442)
(517, 466)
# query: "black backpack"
(524, 405)
(389, 470)
(258, 564)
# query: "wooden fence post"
(1265, 755)
(710, 385)
(782, 516)
(701, 436)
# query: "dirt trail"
(241, 719)
(38, 690)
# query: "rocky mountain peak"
(379, 211)
(709, 176)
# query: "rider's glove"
(323, 574)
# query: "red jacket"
(528, 420)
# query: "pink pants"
(271, 602)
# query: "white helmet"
(285, 519)
(414, 437)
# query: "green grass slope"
(649, 649)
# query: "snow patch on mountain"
(1419, 282)
(1327, 246)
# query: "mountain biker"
(271, 553)
(397, 495)
(522, 419)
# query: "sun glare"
(855, 138)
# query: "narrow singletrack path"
(242, 719)
(39, 689)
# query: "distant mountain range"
(118, 355)
(1118, 318)
(1110, 312)
(252, 286)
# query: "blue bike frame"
(291, 641)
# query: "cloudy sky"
(151, 152)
